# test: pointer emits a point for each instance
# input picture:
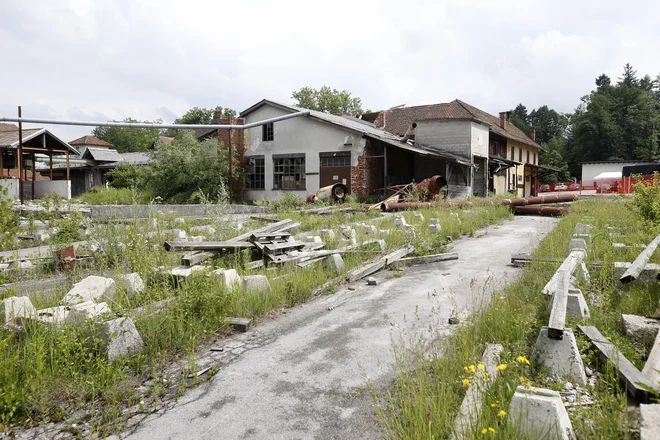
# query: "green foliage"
(200, 115)
(553, 157)
(285, 202)
(646, 198)
(328, 100)
(68, 228)
(188, 171)
(126, 140)
(129, 176)
(114, 196)
(8, 218)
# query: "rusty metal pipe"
(549, 211)
(560, 198)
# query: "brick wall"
(367, 175)
(238, 143)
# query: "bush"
(285, 202)
(646, 198)
(8, 218)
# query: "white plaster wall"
(60, 187)
(450, 136)
(297, 135)
(591, 170)
(12, 187)
(479, 139)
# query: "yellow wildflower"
(501, 367)
(522, 378)
(484, 431)
(493, 405)
(491, 430)
(472, 369)
(486, 376)
(466, 382)
(502, 413)
(523, 359)
(529, 385)
(481, 366)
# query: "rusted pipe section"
(548, 211)
(338, 191)
(432, 185)
(560, 198)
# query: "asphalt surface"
(307, 374)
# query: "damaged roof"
(103, 155)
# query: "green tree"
(201, 116)
(552, 157)
(548, 123)
(519, 118)
(328, 100)
(188, 171)
(129, 139)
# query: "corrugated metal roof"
(103, 155)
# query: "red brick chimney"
(503, 120)
(532, 133)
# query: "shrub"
(646, 198)
(114, 196)
(8, 218)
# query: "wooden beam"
(43, 150)
(559, 303)
(635, 270)
(34, 173)
(172, 246)
(636, 384)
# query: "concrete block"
(419, 216)
(382, 244)
(371, 281)
(435, 228)
(560, 356)
(92, 288)
(576, 305)
(119, 337)
(179, 234)
(586, 237)
(21, 265)
(258, 283)
(53, 315)
(153, 223)
(180, 221)
(197, 238)
(16, 307)
(469, 213)
(582, 271)
(183, 272)
(239, 324)
(315, 239)
(640, 329)
(652, 366)
(349, 233)
(582, 228)
(649, 426)
(577, 244)
(328, 234)
(132, 283)
(384, 232)
(229, 277)
(400, 223)
(86, 310)
(434, 221)
(207, 229)
(454, 215)
(335, 262)
(649, 272)
(539, 413)
(345, 242)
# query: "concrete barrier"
(143, 211)
(540, 413)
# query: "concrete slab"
(256, 283)
(131, 283)
(560, 356)
(119, 337)
(86, 310)
(229, 277)
(309, 372)
(649, 426)
(640, 329)
(16, 307)
(540, 413)
(652, 366)
(335, 262)
(92, 288)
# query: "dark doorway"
(335, 168)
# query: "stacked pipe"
(336, 191)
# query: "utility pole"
(20, 155)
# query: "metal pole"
(34, 174)
(50, 155)
(20, 155)
(231, 196)
(68, 177)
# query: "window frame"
(252, 170)
(335, 159)
(527, 156)
(286, 165)
(268, 132)
(520, 155)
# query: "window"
(339, 159)
(534, 159)
(256, 170)
(289, 171)
(268, 132)
(527, 156)
(520, 155)
(513, 153)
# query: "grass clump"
(114, 196)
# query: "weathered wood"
(273, 248)
(637, 385)
(269, 235)
(277, 226)
(173, 246)
(265, 219)
(640, 262)
(306, 263)
(398, 254)
(375, 266)
(559, 302)
(196, 257)
(569, 265)
(255, 264)
(522, 259)
(426, 259)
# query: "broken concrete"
(179, 234)
(183, 272)
(335, 262)
(371, 281)
(91, 288)
(382, 244)
(16, 307)
(400, 223)
(229, 277)
(53, 315)
(119, 337)
(652, 365)
(328, 234)
(131, 283)
(435, 228)
(345, 242)
(419, 216)
(258, 283)
(86, 310)
(207, 229)
(315, 239)
(640, 329)
(539, 413)
(649, 427)
(21, 265)
(577, 244)
(560, 356)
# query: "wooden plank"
(559, 302)
(637, 385)
(269, 235)
(196, 257)
(256, 264)
(366, 270)
(310, 262)
(268, 228)
(265, 219)
(523, 259)
(398, 254)
(426, 259)
(173, 246)
(273, 248)
(640, 262)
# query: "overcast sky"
(148, 59)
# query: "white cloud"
(148, 59)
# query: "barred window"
(339, 159)
(289, 171)
(268, 132)
(256, 178)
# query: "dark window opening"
(268, 132)
(513, 153)
(527, 156)
(520, 155)
(256, 173)
(289, 172)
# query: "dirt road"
(307, 374)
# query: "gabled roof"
(204, 133)
(103, 155)
(9, 138)
(399, 120)
(364, 128)
(90, 140)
